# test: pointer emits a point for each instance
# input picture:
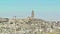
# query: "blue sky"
(44, 9)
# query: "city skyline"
(44, 9)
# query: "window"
(0, 22)
(11, 22)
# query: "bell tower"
(32, 15)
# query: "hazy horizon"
(44, 9)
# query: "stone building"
(4, 19)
